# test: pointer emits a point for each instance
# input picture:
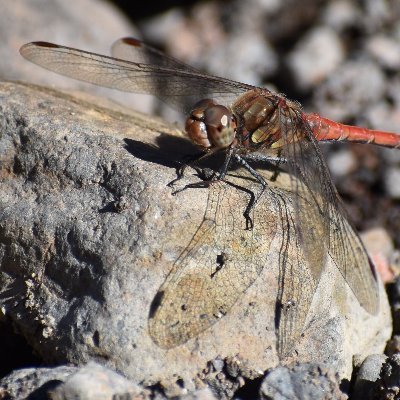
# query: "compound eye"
(197, 132)
(221, 126)
(218, 117)
(200, 107)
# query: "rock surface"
(367, 375)
(303, 381)
(94, 381)
(22, 383)
(89, 382)
(89, 231)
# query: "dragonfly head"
(211, 125)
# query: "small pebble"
(392, 182)
(316, 56)
(342, 162)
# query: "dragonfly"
(249, 125)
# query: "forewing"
(132, 49)
(297, 284)
(322, 220)
(181, 88)
(309, 178)
(351, 258)
(221, 262)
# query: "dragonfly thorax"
(259, 119)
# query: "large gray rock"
(302, 381)
(89, 231)
(21, 383)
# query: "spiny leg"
(186, 162)
(210, 177)
(204, 173)
(253, 201)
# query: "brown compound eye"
(197, 132)
(220, 126)
(200, 107)
(210, 125)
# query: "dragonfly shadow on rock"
(166, 152)
(174, 152)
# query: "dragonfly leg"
(264, 158)
(186, 162)
(228, 159)
(254, 199)
(206, 174)
(196, 185)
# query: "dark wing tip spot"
(25, 49)
(132, 41)
(44, 44)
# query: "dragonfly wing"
(309, 178)
(352, 260)
(132, 49)
(323, 223)
(297, 284)
(181, 88)
(221, 262)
